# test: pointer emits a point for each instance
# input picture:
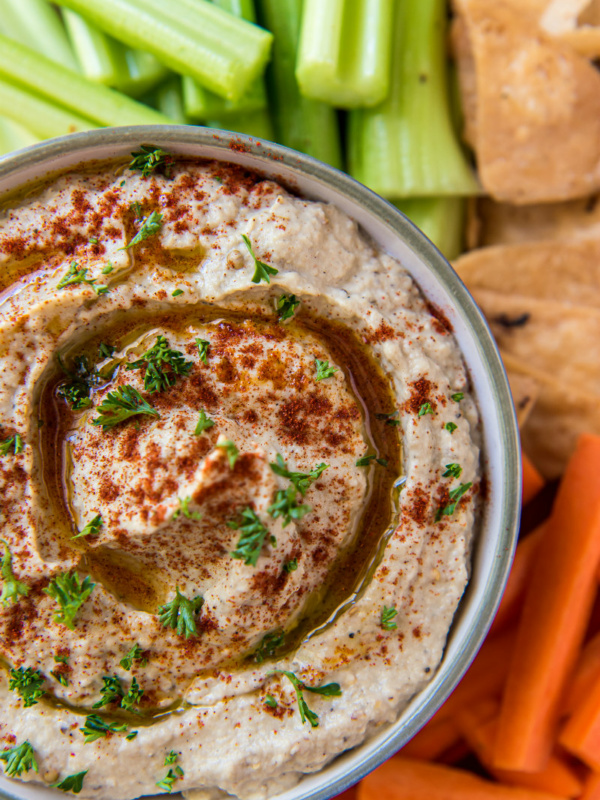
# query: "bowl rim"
(29, 166)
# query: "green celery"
(14, 136)
(442, 219)
(169, 100)
(406, 147)
(43, 118)
(101, 58)
(55, 84)
(345, 50)
(253, 123)
(36, 24)
(145, 72)
(193, 37)
(306, 125)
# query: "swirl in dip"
(239, 483)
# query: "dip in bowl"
(257, 441)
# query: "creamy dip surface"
(240, 463)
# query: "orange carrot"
(532, 480)
(432, 740)
(591, 789)
(581, 733)
(403, 779)
(348, 794)
(555, 613)
(455, 753)
(586, 673)
(512, 599)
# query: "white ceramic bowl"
(395, 234)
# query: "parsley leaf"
(72, 783)
(425, 409)
(230, 449)
(268, 646)
(324, 370)
(156, 378)
(176, 293)
(76, 391)
(131, 735)
(27, 683)
(450, 427)
(133, 696)
(389, 418)
(291, 566)
(261, 270)
(70, 595)
(14, 443)
(180, 613)
(111, 691)
(135, 654)
(12, 588)
(93, 526)
(60, 677)
(286, 304)
(387, 616)
(454, 497)
(184, 509)
(270, 701)
(329, 690)
(19, 759)
(203, 345)
(458, 396)
(171, 758)
(365, 461)
(285, 505)
(452, 471)
(170, 778)
(252, 538)
(204, 423)
(301, 480)
(74, 276)
(121, 404)
(95, 728)
(150, 159)
(106, 350)
(148, 227)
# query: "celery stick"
(442, 219)
(254, 123)
(344, 52)
(193, 37)
(101, 58)
(306, 125)
(406, 147)
(144, 72)
(169, 100)
(19, 64)
(43, 118)
(36, 24)
(14, 136)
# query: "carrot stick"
(581, 733)
(532, 480)
(455, 753)
(403, 779)
(512, 599)
(432, 740)
(586, 673)
(591, 790)
(555, 613)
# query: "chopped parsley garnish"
(12, 589)
(14, 443)
(60, 677)
(133, 696)
(291, 566)
(365, 461)
(111, 691)
(329, 690)
(61, 659)
(93, 240)
(72, 783)
(160, 355)
(180, 614)
(301, 480)
(66, 590)
(458, 396)
(148, 227)
(425, 409)
(387, 617)
(203, 345)
(19, 759)
(184, 509)
(454, 496)
(27, 683)
(270, 701)
(261, 270)
(252, 538)
(324, 370)
(137, 209)
(93, 526)
(82, 377)
(452, 471)
(107, 269)
(176, 293)
(285, 505)
(230, 449)
(135, 654)
(167, 782)
(286, 304)
(389, 418)
(106, 350)
(74, 276)
(268, 646)
(204, 423)
(171, 758)
(95, 728)
(450, 427)
(123, 403)
(131, 735)
(150, 159)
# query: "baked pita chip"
(576, 23)
(537, 117)
(564, 272)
